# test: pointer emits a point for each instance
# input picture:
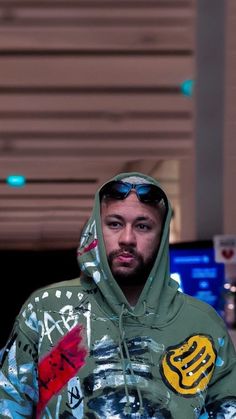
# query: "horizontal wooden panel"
(46, 215)
(100, 3)
(29, 231)
(85, 191)
(10, 203)
(119, 12)
(163, 151)
(38, 231)
(142, 147)
(99, 11)
(92, 72)
(106, 105)
(39, 244)
(148, 38)
(45, 167)
(94, 125)
(98, 143)
(97, 14)
(31, 228)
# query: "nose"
(127, 236)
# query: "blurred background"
(96, 87)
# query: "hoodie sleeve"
(221, 394)
(18, 374)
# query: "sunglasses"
(146, 193)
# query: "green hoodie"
(79, 350)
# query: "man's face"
(131, 231)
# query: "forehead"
(129, 208)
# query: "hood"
(158, 297)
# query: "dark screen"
(22, 272)
(193, 265)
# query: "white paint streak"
(97, 277)
(90, 264)
(47, 330)
(87, 314)
(74, 387)
(69, 318)
(58, 407)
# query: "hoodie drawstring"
(122, 342)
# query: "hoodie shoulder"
(62, 284)
(203, 310)
(62, 290)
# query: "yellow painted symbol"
(187, 367)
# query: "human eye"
(143, 227)
(114, 224)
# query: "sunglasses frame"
(156, 190)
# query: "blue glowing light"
(187, 87)
(16, 181)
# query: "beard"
(133, 276)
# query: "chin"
(123, 269)
(128, 277)
(123, 273)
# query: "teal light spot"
(219, 361)
(221, 341)
(187, 87)
(204, 416)
(16, 181)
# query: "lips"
(125, 257)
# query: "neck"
(132, 293)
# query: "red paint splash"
(59, 366)
(91, 246)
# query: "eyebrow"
(140, 218)
(114, 215)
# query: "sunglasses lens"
(122, 189)
(116, 190)
(149, 193)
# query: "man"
(121, 341)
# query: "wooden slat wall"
(86, 88)
(230, 126)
